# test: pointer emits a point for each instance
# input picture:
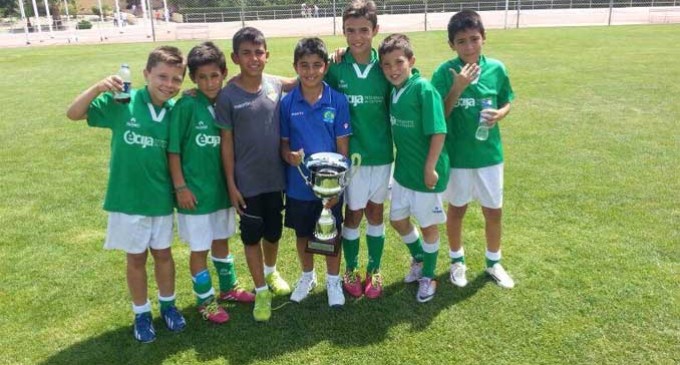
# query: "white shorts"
(136, 233)
(427, 208)
(199, 231)
(484, 185)
(368, 183)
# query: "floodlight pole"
(425, 3)
(519, 5)
(101, 20)
(611, 5)
(37, 19)
(49, 17)
(507, 4)
(334, 32)
(153, 29)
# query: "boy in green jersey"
(357, 75)
(139, 193)
(476, 165)
(205, 216)
(421, 166)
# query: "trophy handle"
(307, 180)
(355, 159)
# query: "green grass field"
(591, 224)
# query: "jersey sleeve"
(180, 118)
(442, 79)
(284, 118)
(342, 126)
(505, 92)
(102, 111)
(223, 111)
(432, 110)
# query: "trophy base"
(323, 247)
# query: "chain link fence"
(86, 21)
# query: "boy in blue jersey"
(314, 118)
(476, 166)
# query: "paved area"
(167, 32)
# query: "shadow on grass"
(293, 327)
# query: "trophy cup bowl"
(328, 177)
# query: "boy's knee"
(162, 255)
(492, 214)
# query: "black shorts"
(262, 218)
(301, 215)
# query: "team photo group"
(318, 154)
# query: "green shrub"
(84, 24)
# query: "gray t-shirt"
(253, 119)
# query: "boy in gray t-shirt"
(247, 110)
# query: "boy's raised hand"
(295, 157)
(186, 199)
(237, 199)
(467, 74)
(110, 83)
(431, 178)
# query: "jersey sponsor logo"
(297, 114)
(328, 115)
(203, 140)
(133, 123)
(245, 104)
(401, 122)
(201, 125)
(355, 100)
(342, 84)
(133, 138)
(437, 209)
(466, 103)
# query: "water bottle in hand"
(482, 133)
(125, 74)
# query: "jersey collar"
(146, 98)
(325, 100)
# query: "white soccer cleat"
(457, 274)
(303, 287)
(426, 289)
(498, 273)
(336, 299)
(415, 273)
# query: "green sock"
(350, 248)
(226, 272)
(490, 263)
(458, 259)
(166, 303)
(429, 264)
(202, 286)
(416, 250)
(375, 251)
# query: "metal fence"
(59, 22)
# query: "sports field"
(591, 224)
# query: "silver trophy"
(329, 176)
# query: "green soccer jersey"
(196, 138)
(367, 92)
(416, 113)
(139, 180)
(465, 151)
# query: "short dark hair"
(248, 34)
(165, 54)
(394, 42)
(310, 46)
(465, 20)
(361, 9)
(203, 54)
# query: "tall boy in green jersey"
(359, 77)
(476, 166)
(205, 217)
(248, 116)
(421, 166)
(139, 193)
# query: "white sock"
(261, 289)
(139, 309)
(350, 234)
(375, 231)
(493, 256)
(411, 237)
(332, 278)
(269, 269)
(457, 254)
(308, 274)
(165, 299)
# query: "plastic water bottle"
(482, 133)
(125, 74)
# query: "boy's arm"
(342, 144)
(460, 81)
(185, 198)
(436, 145)
(292, 158)
(493, 116)
(78, 108)
(227, 150)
